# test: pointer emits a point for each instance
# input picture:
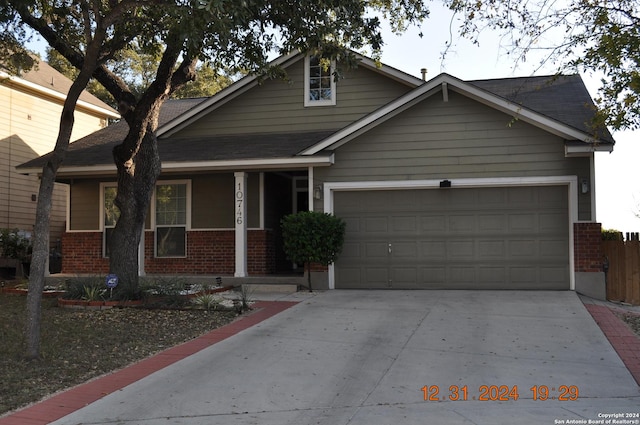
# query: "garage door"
(455, 238)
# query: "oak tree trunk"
(40, 242)
(137, 175)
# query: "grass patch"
(77, 345)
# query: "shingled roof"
(96, 148)
(44, 75)
(554, 96)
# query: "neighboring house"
(30, 108)
(443, 184)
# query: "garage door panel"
(352, 225)
(377, 277)
(376, 251)
(522, 222)
(520, 275)
(523, 197)
(404, 224)
(462, 223)
(404, 250)
(551, 249)
(433, 275)
(461, 275)
(507, 237)
(492, 275)
(376, 225)
(522, 248)
(434, 222)
(460, 250)
(434, 250)
(552, 222)
(492, 224)
(491, 249)
(351, 250)
(554, 274)
(406, 277)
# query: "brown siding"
(213, 201)
(277, 106)
(85, 205)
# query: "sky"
(617, 174)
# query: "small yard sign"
(112, 281)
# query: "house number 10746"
(239, 200)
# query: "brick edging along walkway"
(624, 341)
(77, 397)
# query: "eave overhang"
(289, 163)
(58, 96)
(573, 148)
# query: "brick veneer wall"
(208, 252)
(587, 243)
(82, 253)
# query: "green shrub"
(312, 237)
(89, 288)
(611, 235)
(15, 243)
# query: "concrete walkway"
(372, 357)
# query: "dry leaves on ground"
(78, 345)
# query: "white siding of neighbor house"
(28, 129)
(277, 106)
(460, 138)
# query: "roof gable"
(531, 106)
(44, 79)
(248, 82)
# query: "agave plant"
(207, 301)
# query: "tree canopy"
(137, 68)
(227, 34)
(598, 36)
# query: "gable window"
(110, 216)
(319, 83)
(171, 219)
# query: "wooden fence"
(623, 276)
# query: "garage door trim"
(570, 181)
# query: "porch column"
(241, 223)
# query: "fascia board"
(390, 72)
(270, 163)
(587, 149)
(57, 95)
(219, 99)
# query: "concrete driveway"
(370, 357)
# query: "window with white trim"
(171, 219)
(319, 82)
(111, 213)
